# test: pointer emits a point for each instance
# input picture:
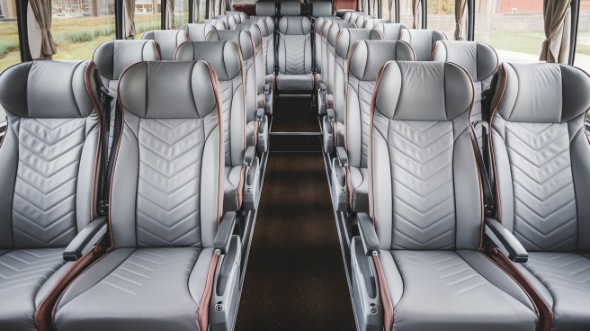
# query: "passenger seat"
(168, 40)
(172, 263)
(422, 41)
(49, 170)
(418, 264)
(370, 23)
(201, 31)
(350, 173)
(541, 161)
(239, 16)
(387, 31)
(294, 50)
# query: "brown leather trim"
(245, 116)
(89, 69)
(203, 311)
(491, 144)
(433, 51)
(370, 144)
(546, 317)
(388, 315)
(43, 317)
(221, 175)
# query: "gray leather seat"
(366, 60)
(322, 9)
(224, 58)
(266, 8)
(112, 58)
(387, 31)
(370, 23)
(331, 58)
(267, 11)
(478, 59)
(333, 124)
(542, 168)
(427, 211)
(48, 162)
(324, 98)
(239, 16)
(255, 117)
(422, 41)
(167, 40)
(230, 21)
(361, 19)
(255, 30)
(219, 24)
(165, 213)
(294, 50)
(351, 18)
(201, 31)
(267, 28)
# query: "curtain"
(42, 11)
(392, 12)
(557, 17)
(417, 13)
(460, 6)
(129, 19)
(170, 14)
(196, 11)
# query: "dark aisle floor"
(294, 114)
(295, 278)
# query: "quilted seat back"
(294, 45)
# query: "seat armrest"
(368, 235)
(224, 233)
(260, 112)
(249, 155)
(90, 236)
(505, 241)
(342, 156)
(331, 114)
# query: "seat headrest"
(254, 30)
(320, 22)
(370, 23)
(346, 39)
(168, 40)
(261, 22)
(321, 8)
(113, 57)
(290, 8)
(360, 20)
(352, 17)
(218, 24)
(366, 68)
(479, 59)
(222, 56)
(240, 16)
(541, 92)
(201, 31)
(169, 90)
(423, 91)
(387, 31)
(345, 14)
(230, 20)
(422, 41)
(50, 89)
(294, 25)
(266, 8)
(242, 38)
(335, 28)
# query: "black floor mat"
(295, 278)
(294, 114)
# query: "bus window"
(200, 10)
(180, 15)
(582, 58)
(9, 45)
(441, 16)
(513, 27)
(78, 27)
(148, 16)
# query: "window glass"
(513, 27)
(582, 58)
(385, 13)
(441, 16)
(180, 13)
(148, 16)
(78, 27)
(405, 13)
(9, 45)
(202, 5)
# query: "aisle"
(295, 278)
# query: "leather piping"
(203, 311)
(388, 316)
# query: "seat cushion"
(26, 277)
(359, 186)
(454, 290)
(294, 82)
(563, 280)
(149, 289)
(232, 188)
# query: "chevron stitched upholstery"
(294, 53)
(47, 174)
(427, 209)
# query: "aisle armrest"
(368, 235)
(224, 233)
(505, 241)
(93, 234)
